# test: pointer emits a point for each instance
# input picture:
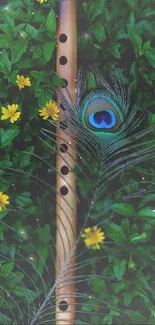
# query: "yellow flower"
(93, 237)
(42, 1)
(51, 109)
(4, 200)
(22, 82)
(11, 113)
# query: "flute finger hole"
(63, 125)
(63, 38)
(63, 60)
(63, 147)
(64, 190)
(66, 83)
(62, 107)
(64, 170)
(63, 305)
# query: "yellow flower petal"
(50, 110)
(4, 200)
(12, 108)
(22, 82)
(86, 230)
(6, 113)
(42, 1)
(11, 113)
(15, 117)
(93, 237)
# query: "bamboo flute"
(66, 156)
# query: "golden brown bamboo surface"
(66, 184)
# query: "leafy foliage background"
(111, 34)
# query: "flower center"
(12, 114)
(94, 237)
(50, 111)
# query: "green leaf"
(37, 51)
(57, 81)
(48, 49)
(136, 40)
(9, 21)
(146, 45)
(13, 77)
(125, 226)
(124, 209)
(18, 48)
(97, 285)
(108, 319)
(146, 212)
(91, 305)
(128, 298)
(6, 269)
(141, 278)
(23, 200)
(17, 29)
(119, 268)
(133, 69)
(12, 250)
(26, 63)
(44, 95)
(4, 319)
(115, 50)
(51, 22)
(4, 39)
(43, 234)
(39, 75)
(5, 63)
(3, 90)
(7, 136)
(136, 237)
(92, 10)
(90, 81)
(32, 31)
(3, 214)
(23, 159)
(28, 294)
(5, 28)
(117, 287)
(132, 4)
(98, 30)
(150, 56)
(39, 17)
(151, 119)
(136, 316)
(115, 232)
(42, 256)
(145, 26)
(85, 186)
(97, 46)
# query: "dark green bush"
(111, 34)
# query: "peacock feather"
(112, 145)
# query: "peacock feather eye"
(100, 113)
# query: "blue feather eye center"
(103, 119)
(101, 114)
